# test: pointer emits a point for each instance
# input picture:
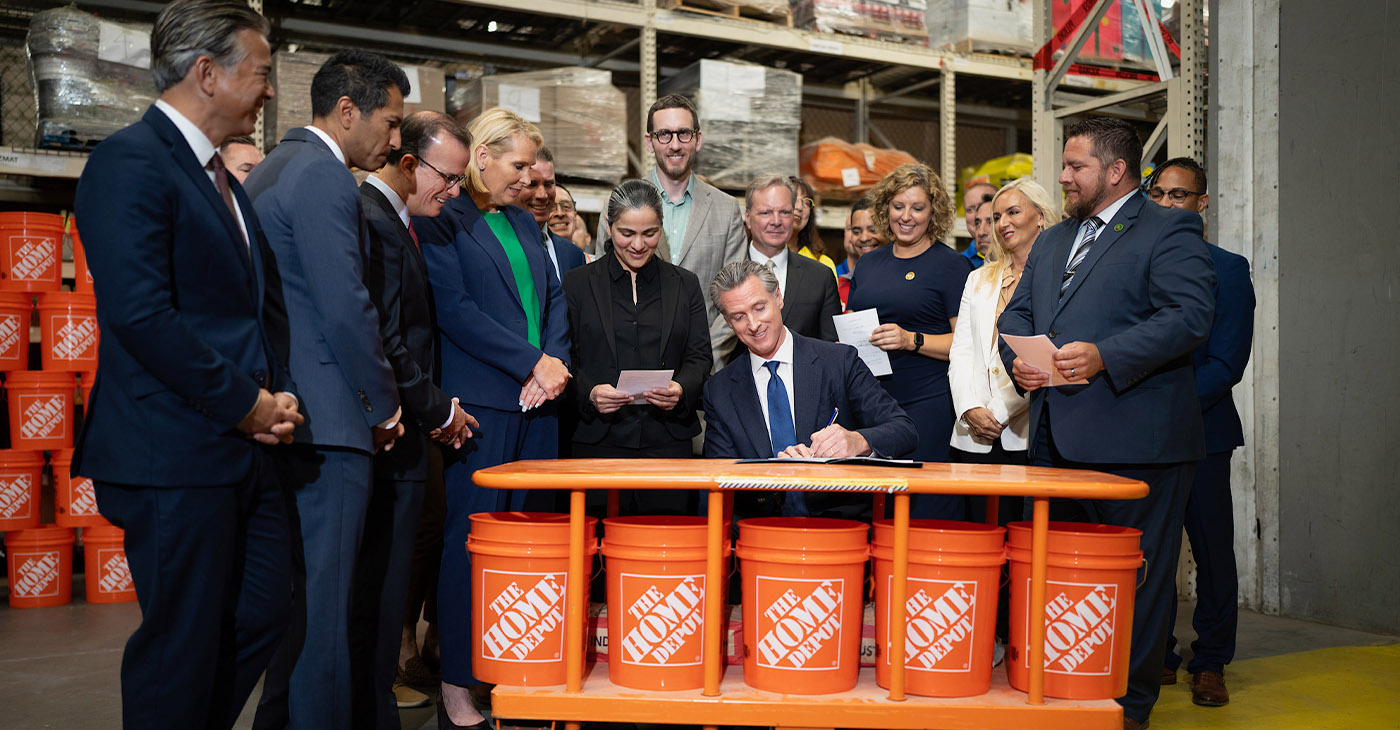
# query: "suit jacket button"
(1054, 334)
(261, 377)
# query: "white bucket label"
(36, 574)
(32, 258)
(1079, 631)
(114, 575)
(522, 616)
(799, 623)
(74, 337)
(9, 338)
(662, 626)
(939, 619)
(43, 416)
(16, 496)
(82, 498)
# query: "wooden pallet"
(731, 9)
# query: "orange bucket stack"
(15, 310)
(1091, 576)
(950, 606)
(803, 583)
(105, 571)
(74, 498)
(41, 409)
(68, 332)
(41, 566)
(20, 475)
(656, 601)
(31, 251)
(520, 582)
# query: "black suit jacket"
(685, 347)
(397, 280)
(810, 298)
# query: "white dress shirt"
(780, 264)
(761, 375)
(400, 206)
(1106, 216)
(203, 149)
(335, 148)
(549, 246)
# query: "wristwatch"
(918, 341)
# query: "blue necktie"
(782, 433)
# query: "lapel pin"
(1118, 227)
(909, 276)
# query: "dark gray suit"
(310, 208)
(810, 299)
(1143, 295)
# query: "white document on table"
(854, 328)
(637, 382)
(1039, 352)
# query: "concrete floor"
(59, 666)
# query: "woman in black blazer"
(630, 310)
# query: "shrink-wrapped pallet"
(749, 118)
(900, 21)
(91, 77)
(839, 168)
(582, 116)
(981, 25)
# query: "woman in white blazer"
(992, 420)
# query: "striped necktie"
(1091, 232)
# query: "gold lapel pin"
(909, 276)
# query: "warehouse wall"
(1339, 314)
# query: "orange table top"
(931, 478)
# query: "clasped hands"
(272, 419)
(545, 382)
(608, 399)
(458, 431)
(832, 442)
(1075, 361)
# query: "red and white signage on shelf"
(662, 627)
(523, 616)
(799, 624)
(1079, 630)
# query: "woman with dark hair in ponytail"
(631, 310)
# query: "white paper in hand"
(637, 382)
(1039, 352)
(854, 328)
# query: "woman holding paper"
(632, 311)
(993, 420)
(915, 284)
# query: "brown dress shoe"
(1168, 676)
(1208, 689)
(1131, 724)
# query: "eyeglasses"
(808, 201)
(684, 135)
(451, 180)
(1176, 194)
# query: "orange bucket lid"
(39, 379)
(815, 540)
(21, 458)
(527, 534)
(1079, 538)
(943, 536)
(658, 537)
(103, 533)
(41, 536)
(67, 300)
(31, 218)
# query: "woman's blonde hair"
(998, 257)
(495, 128)
(904, 177)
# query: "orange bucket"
(82, 276)
(41, 410)
(74, 499)
(41, 566)
(67, 331)
(950, 609)
(14, 330)
(105, 570)
(1090, 581)
(520, 582)
(31, 245)
(85, 380)
(803, 582)
(656, 601)
(20, 475)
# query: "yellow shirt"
(807, 251)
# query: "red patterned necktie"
(414, 235)
(216, 163)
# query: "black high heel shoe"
(444, 722)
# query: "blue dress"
(919, 294)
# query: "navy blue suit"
(1143, 296)
(570, 256)
(188, 322)
(826, 375)
(1210, 510)
(310, 207)
(486, 358)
